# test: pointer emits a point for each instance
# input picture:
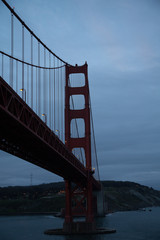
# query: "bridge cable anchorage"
(35, 36)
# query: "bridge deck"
(24, 134)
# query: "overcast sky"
(120, 40)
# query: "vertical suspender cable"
(94, 141)
(44, 84)
(36, 91)
(58, 92)
(54, 97)
(23, 62)
(17, 76)
(31, 71)
(12, 44)
(52, 89)
(39, 81)
(2, 65)
(61, 105)
(50, 99)
(28, 85)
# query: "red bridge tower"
(84, 142)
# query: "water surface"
(133, 225)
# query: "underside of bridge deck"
(26, 136)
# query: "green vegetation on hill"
(32, 199)
(121, 196)
(118, 196)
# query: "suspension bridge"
(46, 118)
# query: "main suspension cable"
(32, 65)
(94, 140)
(25, 25)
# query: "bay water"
(131, 225)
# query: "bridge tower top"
(84, 142)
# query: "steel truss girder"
(25, 135)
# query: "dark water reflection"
(135, 225)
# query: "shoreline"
(58, 214)
(55, 214)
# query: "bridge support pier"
(100, 206)
(79, 227)
(89, 215)
(68, 209)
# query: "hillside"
(118, 196)
(121, 196)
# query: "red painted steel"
(84, 142)
(84, 113)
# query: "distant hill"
(44, 198)
(121, 196)
(31, 192)
(118, 196)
